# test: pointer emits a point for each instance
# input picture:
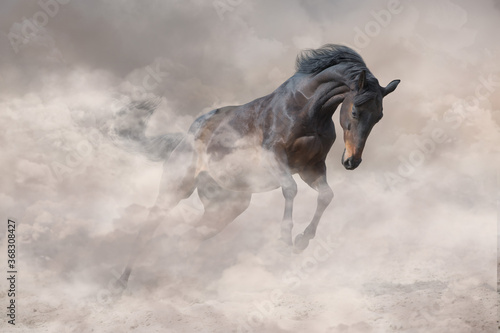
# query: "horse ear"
(362, 79)
(390, 87)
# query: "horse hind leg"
(178, 182)
(222, 206)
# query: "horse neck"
(310, 93)
(329, 90)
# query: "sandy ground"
(357, 276)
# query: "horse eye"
(355, 114)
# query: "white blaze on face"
(350, 150)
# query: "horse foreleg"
(289, 189)
(279, 168)
(317, 180)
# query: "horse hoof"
(119, 286)
(286, 241)
(281, 247)
(300, 243)
(112, 293)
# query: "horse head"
(360, 111)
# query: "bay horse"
(234, 151)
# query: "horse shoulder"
(304, 150)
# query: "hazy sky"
(88, 58)
(430, 167)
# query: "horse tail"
(129, 131)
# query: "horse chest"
(307, 150)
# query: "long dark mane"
(314, 61)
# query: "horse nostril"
(351, 163)
(348, 163)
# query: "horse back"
(204, 126)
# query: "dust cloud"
(409, 243)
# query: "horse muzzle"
(351, 162)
